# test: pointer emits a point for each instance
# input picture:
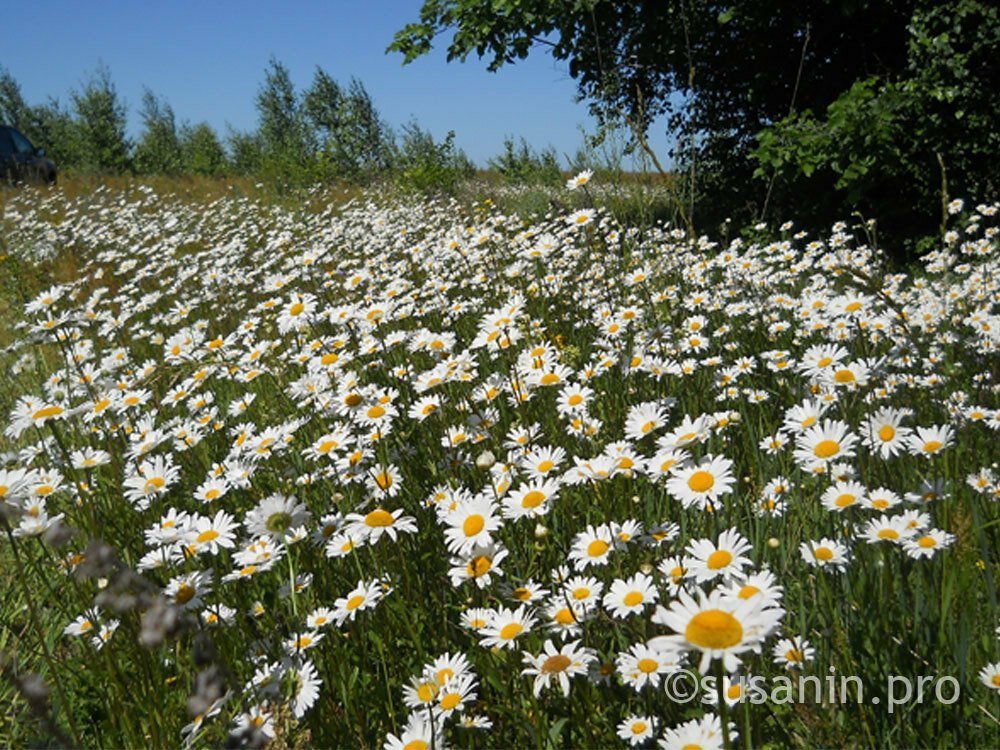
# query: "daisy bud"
(541, 531)
(646, 568)
(102, 582)
(635, 499)
(485, 460)
(773, 543)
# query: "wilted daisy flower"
(559, 665)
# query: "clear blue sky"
(207, 59)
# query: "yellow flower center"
(823, 553)
(297, 309)
(888, 534)
(379, 518)
(826, 448)
(375, 412)
(748, 591)
(845, 500)
(844, 376)
(633, 598)
(597, 548)
(927, 542)
(156, 483)
(719, 559)
(479, 566)
(564, 616)
(545, 466)
(473, 524)
(207, 536)
(48, 411)
(887, 433)
(451, 700)
(511, 630)
(185, 593)
(427, 692)
(714, 629)
(701, 481)
(932, 446)
(354, 602)
(555, 664)
(648, 666)
(533, 499)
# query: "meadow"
(363, 470)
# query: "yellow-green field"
(336, 469)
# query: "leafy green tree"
(284, 136)
(246, 152)
(13, 109)
(353, 140)
(101, 120)
(201, 150)
(519, 163)
(888, 146)
(158, 150)
(722, 73)
(428, 166)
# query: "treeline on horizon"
(326, 132)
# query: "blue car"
(20, 161)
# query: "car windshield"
(6, 144)
(22, 144)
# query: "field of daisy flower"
(409, 473)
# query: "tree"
(352, 139)
(101, 120)
(722, 73)
(201, 151)
(282, 130)
(158, 150)
(13, 109)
